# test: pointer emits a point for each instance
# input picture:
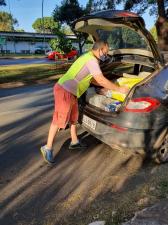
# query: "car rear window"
(122, 37)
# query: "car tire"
(160, 148)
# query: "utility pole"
(43, 26)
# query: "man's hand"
(103, 91)
(123, 89)
(93, 81)
(102, 81)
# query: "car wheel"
(161, 148)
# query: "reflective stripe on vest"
(82, 85)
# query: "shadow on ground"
(33, 193)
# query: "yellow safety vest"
(82, 85)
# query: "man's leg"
(74, 138)
(73, 119)
(75, 143)
(51, 135)
(46, 150)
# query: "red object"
(57, 55)
(121, 129)
(152, 104)
(71, 54)
(66, 107)
(127, 14)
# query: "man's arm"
(93, 81)
(104, 82)
(96, 72)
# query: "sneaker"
(79, 145)
(47, 154)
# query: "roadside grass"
(144, 196)
(163, 189)
(28, 73)
(31, 72)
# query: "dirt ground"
(95, 184)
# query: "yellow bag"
(128, 82)
(118, 95)
(123, 81)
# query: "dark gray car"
(140, 122)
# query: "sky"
(27, 11)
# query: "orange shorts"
(66, 107)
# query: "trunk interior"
(123, 70)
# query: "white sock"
(74, 143)
(46, 148)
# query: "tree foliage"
(61, 44)
(19, 30)
(69, 11)
(2, 3)
(89, 6)
(140, 6)
(157, 8)
(97, 5)
(7, 22)
(103, 5)
(47, 24)
(65, 29)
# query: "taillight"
(145, 104)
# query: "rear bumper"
(118, 137)
(126, 130)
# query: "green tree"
(89, 6)
(19, 30)
(50, 26)
(97, 5)
(69, 11)
(65, 29)
(156, 7)
(2, 2)
(110, 4)
(61, 44)
(7, 22)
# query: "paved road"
(5, 62)
(31, 192)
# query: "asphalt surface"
(5, 62)
(33, 193)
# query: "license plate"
(89, 122)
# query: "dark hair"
(99, 44)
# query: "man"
(70, 87)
